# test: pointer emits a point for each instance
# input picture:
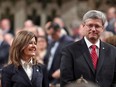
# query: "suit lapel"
(85, 51)
(36, 74)
(23, 74)
(101, 57)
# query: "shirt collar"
(28, 63)
(89, 43)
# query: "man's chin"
(93, 39)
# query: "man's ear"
(82, 25)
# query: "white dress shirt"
(52, 52)
(27, 66)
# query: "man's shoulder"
(74, 45)
(67, 38)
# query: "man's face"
(5, 24)
(111, 13)
(54, 34)
(93, 28)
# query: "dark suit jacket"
(76, 61)
(4, 53)
(63, 41)
(16, 77)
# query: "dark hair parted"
(54, 26)
(19, 43)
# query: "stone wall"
(71, 10)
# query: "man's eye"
(90, 25)
(97, 26)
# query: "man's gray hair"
(94, 14)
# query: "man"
(53, 57)
(90, 57)
(111, 17)
(61, 23)
(28, 24)
(4, 51)
(6, 26)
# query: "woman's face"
(42, 43)
(30, 49)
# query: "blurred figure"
(52, 58)
(115, 27)
(111, 40)
(41, 48)
(81, 82)
(47, 25)
(48, 32)
(77, 31)
(41, 31)
(32, 29)
(6, 26)
(59, 21)
(4, 51)
(23, 69)
(8, 38)
(111, 17)
(105, 35)
(82, 85)
(28, 24)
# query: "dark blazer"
(76, 62)
(63, 41)
(4, 53)
(16, 77)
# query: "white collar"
(89, 43)
(25, 62)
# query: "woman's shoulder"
(9, 68)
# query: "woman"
(41, 48)
(23, 70)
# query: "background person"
(41, 48)
(53, 56)
(111, 40)
(4, 51)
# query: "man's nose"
(93, 28)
